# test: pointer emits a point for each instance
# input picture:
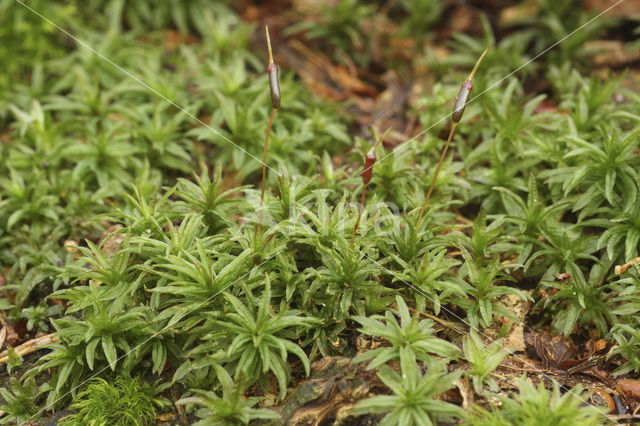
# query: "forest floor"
(134, 240)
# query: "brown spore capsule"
(274, 85)
(461, 101)
(369, 161)
(272, 71)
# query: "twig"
(526, 369)
(621, 269)
(29, 346)
(628, 417)
(448, 324)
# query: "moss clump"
(123, 401)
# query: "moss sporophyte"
(369, 162)
(456, 116)
(274, 87)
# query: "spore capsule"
(272, 70)
(461, 101)
(369, 161)
(274, 85)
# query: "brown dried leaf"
(625, 9)
(630, 390)
(5, 137)
(389, 109)
(165, 417)
(565, 277)
(462, 18)
(514, 340)
(175, 39)
(611, 53)
(513, 15)
(71, 246)
(15, 332)
(334, 386)
(465, 391)
(322, 76)
(547, 106)
(594, 346)
(601, 398)
(552, 350)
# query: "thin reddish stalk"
(369, 162)
(435, 176)
(458, 110)
(264, 156)
(362, 201)
(274, 88)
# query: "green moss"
(117, 402)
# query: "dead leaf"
(389, 109)
(513, 15)
(575, 365)
(601, 398)
(630, 390)
(465, 391)
(545, 294)
(331, 391)
(546, 106)
(165, 417)
(322, 76)
(552, 350)
(514, 340)
(462, 18)
(71, 246)
(175, 39)
(565, 277)
(625, 9)
(596, 346)
(5, 137)
(611, 53)
(14, 333)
